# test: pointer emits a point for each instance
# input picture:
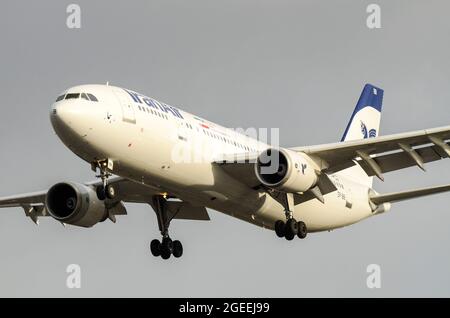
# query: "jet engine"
(286, 170)
(75, 204)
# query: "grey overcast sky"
(296, 65)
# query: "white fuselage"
(171, 151)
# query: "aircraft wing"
(375, 155)
(34, 198)
(240, 166)
(385, 153)
(128, 191)
(405, 195)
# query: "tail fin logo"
(367, 134)
(364, 130)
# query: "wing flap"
(401, 160)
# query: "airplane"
(134, 143)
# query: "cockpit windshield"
(92, 97)
(86, 96)
(72, 96)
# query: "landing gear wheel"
(291, 227)
(302, 230)
(110, 192)
(166, 248)
(289, 236)
(167, 243)
(177, 248)
(101, 193)
(155, 248)
(165, 253)
(280, 228)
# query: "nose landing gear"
(166, 247)
(105, 190)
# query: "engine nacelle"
(286, 170)
(75, 204)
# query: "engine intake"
(75, 204)
(286, 170)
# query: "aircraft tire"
(155, 248)
(110, 192)
(165, 253)
(167, 244)
(177, 249)
(280, 228)
(289, 236)
(101, 193)
(291, 227)
(302, 230)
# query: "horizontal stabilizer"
(405, 195)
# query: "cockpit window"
(92, 97)
(86, 96)
(72, 96)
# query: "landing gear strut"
(104, 190)
(166, 246)
(291, 227)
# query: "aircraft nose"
(69, 119)
(63, 113)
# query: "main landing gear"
(166, 246)
(291, 227)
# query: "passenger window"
(92, 97)
(72, 96)
(84, 96)
(61, 97)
